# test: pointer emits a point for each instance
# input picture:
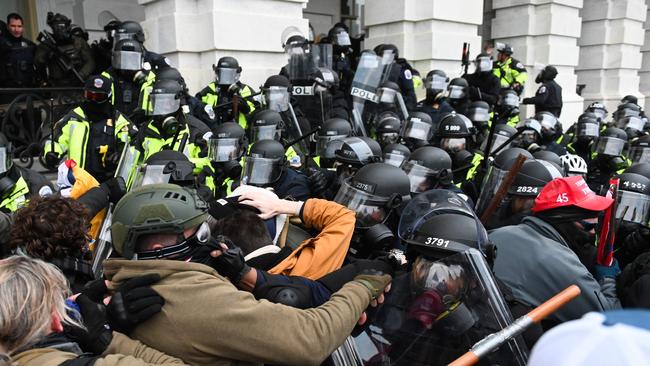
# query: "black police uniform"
(548, 98)
(16, 62)
(483, 86)
(401, 74)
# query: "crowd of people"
(328, 218)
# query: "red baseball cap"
(569, 191)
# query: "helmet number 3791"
(437, 242)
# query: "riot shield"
(321, 55)
(364, 88)
(434, 314)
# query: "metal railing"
(26, 115)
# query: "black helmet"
(264, 163)
(227, 71)
(129, 30)
(61, 26)
(395, 154)
(427, 168)
(483, 63)
(632, 125)
(435, 83)
(373, 192)
(324, 79)
(479, 113)
(389, 128)
(330, 139)
(127, 55)
(502, 133)
(457, 89)
(170, 73)
(626, 110)
(533, 176)
(387, 92)
(110, 28)
(359, 151)
(455, 131)
(266, 124)
(588, 126)
(506, 158)
(611, 142)
(640, 168)
(508, 104)
(276, 90)
(549, 124)
(640, 150)
(599, 110)
(548, 73)
(165, 97)
(384, 50)
(633, 198)
(166, 166)
(418, 127)
(531, 132)
(549, 156)
(630, 99)
(228, 142)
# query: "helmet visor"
(479, 115)
(150, 174)
(497, 141)
(356, 147)
(387, 95)
(600, 114)
(633, 207)
(640, 154)
(326, 147)
(634, 123)
(277, 98)
(5, 158)
(484, 64)
(369, 208)
(455, 92)
(422, 178)
(221, 150)
(611, 146)
(261, 171)
(436, 82)
(417, 129)
(588, 130)
(270, 132)
(511, 100)
(343, 39)
(226, 76)
(387, 138)
(127, 60)
(394, 159)
(95, 96)
(453, 144)
(118, 36)
(163, 104)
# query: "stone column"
(644, 73)
(428, 33)
(194, 34)
(543, 32)
(610, 45)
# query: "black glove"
(115, 188)
(318, 182)
(200, 142)
(113, 160)
(230, 263)
(133, 303)
(97, 335)
(52, 160)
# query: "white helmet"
(574, 165)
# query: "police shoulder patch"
(98, 83)
(408, 75)
(541, 90)
(520, 65)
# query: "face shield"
(387, 138)
(343, 39)
(326, 146)
(387, 95)
(491, 184)
(633, 207)
(453, 145)
(127, 60)
(587, 131)
(268, 132)
(611, 146)
(484, 64)
(5, 159)
(118, 36)
(479, 115)
(370, 210)
(455, 92)
(416, 129)
(277, 98)
(510, 100)
(497, 141)
(422, 178)
(261, 171)
(600, 114)
(632, 123)
(640, 154)
(525, 139)
(150, 174)
(163, 104)
(226, 76)
(224, 149)
(61, 31)
(394, 159)
(387, 57)
(436, 83)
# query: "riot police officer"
(62, 58)
(435, 104)
(16, 56)
(389, 127)
(640, 150)
(226, 148)
(330, 138)
(395, 154)
(511, 72)
(607, 159)
(400, 73)
(342, 57)
(507, 108)
(92, 134)
(126, 75)
(458, 96)
(417, 131)
(428, 168)
(483, 84)
(549, 95)
(479, 113)
(103, 48)
(265, 165)
(226, 85)
(130, 29)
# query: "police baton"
(291, 143)
(503, 189)
(246, 98)
(495, 340)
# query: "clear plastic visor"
(369, 208)
(261, 171)
(417, 129)
(640, 154)
(127, 60)
(227, 76)
(611, 146)
(633, 207)
(221, 150)
(163, 104)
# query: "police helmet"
(479, 113)
(633, 198)
(264, 163)
(330, 137)
(418, 127)
(227, 71)
(359, 151)
(599, 110)
(427, 168)
(266, 124)
(339, 36)
(502, 133)
(611, 142)
(166, 166)
(533, 176)
(127, 55)
(165, 97)
(640, 150)
(588, 126)
(227, 143)
(457, 89)
(549, 156)
(454, 132)
(395, 154)
(640, 168)
(129, 30)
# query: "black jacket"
(483, 86)
(547, 98)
